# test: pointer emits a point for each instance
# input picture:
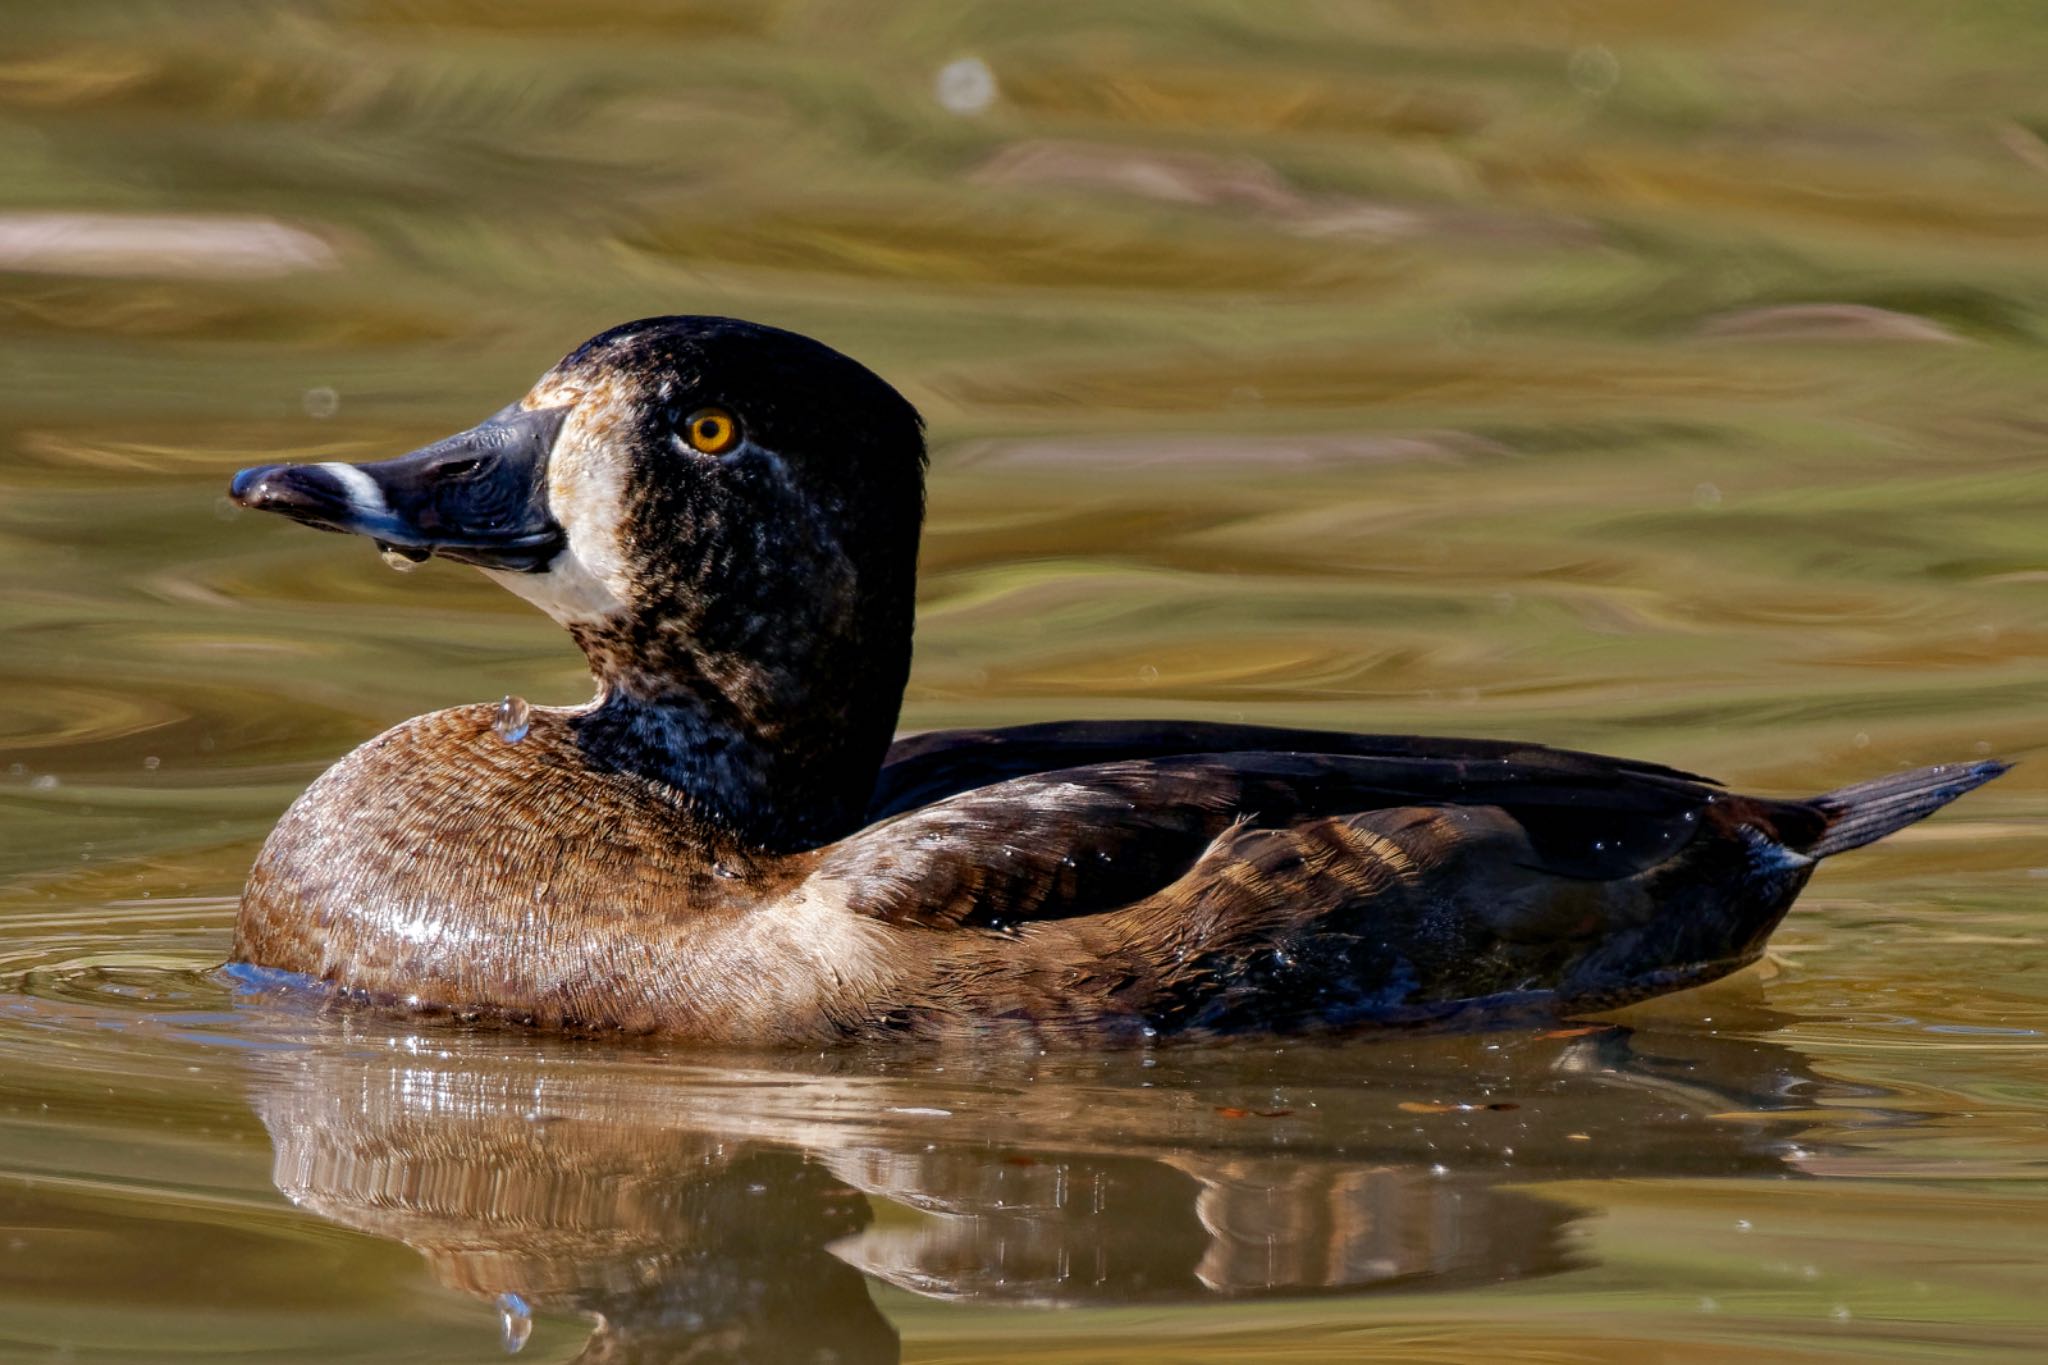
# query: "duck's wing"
(1082, 840)
(1252, 890)
(921, 769)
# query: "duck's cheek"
(586, 582)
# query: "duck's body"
(723, 847)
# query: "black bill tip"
(305, 493)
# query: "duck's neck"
(776, 741)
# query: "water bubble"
(321, 402)
(1593, 71)
(513, 719)
(44, 782)
(515, 1322)
(152, 763)
(1706, 495)
(965, 86)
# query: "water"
(512, 720)
(1659, 379)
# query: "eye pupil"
(712, 432)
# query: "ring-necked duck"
(726, 845)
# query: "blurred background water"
(1664, 379)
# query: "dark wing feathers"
(1224, 877)
(930, 767)
(1050, 845)
(1061, 844)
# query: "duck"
(729, 844)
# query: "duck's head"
(724, 516)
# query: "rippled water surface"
(1666, 379)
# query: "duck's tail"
(1868, 811)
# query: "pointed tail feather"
(1870, 810)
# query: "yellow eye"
(712, 431)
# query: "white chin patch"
(569, 592)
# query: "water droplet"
(1840, 1312)
(401, 558)
(513, 719)
(44, 782)
(1706, 495)
(515, 1322)
(965, 86)
(152, 763)
(321, 402)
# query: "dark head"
(724, 516)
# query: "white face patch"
(365, 498)
(588, 580)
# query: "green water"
(1664, 379)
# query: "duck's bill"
(479, 497)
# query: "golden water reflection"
(732, 1212)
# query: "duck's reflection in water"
(730, 1212)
